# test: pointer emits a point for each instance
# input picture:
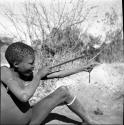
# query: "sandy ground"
(102, 97)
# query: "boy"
(15, 93)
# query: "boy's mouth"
(28, 73)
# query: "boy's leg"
(78, 109)
(42, 109)
(75, 106)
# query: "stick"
(67, 61)
(76, 59)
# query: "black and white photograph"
(61, 62)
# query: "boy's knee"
(65, 94)
(63, 91)
(63, 88)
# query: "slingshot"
(85, 67)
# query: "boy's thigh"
(60, 93)
(54, 99)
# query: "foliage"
(56, 35)
(114, 52)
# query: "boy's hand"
(44, 71)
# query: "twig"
(67, 61)
(78, 58)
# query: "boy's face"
(26, 67)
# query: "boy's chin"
(27, 76)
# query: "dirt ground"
(101, 96)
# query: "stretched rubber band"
(72, 101)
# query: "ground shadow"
(55, 116)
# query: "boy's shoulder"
(5, 72)
(4, 69)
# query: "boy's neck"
(21, 76)
(14, 72)
(25, 78)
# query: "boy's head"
(17, 51)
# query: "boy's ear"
(16, 64)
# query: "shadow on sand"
(65, 119)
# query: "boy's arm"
(64, 73)
(21, 92)
(32, 86)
